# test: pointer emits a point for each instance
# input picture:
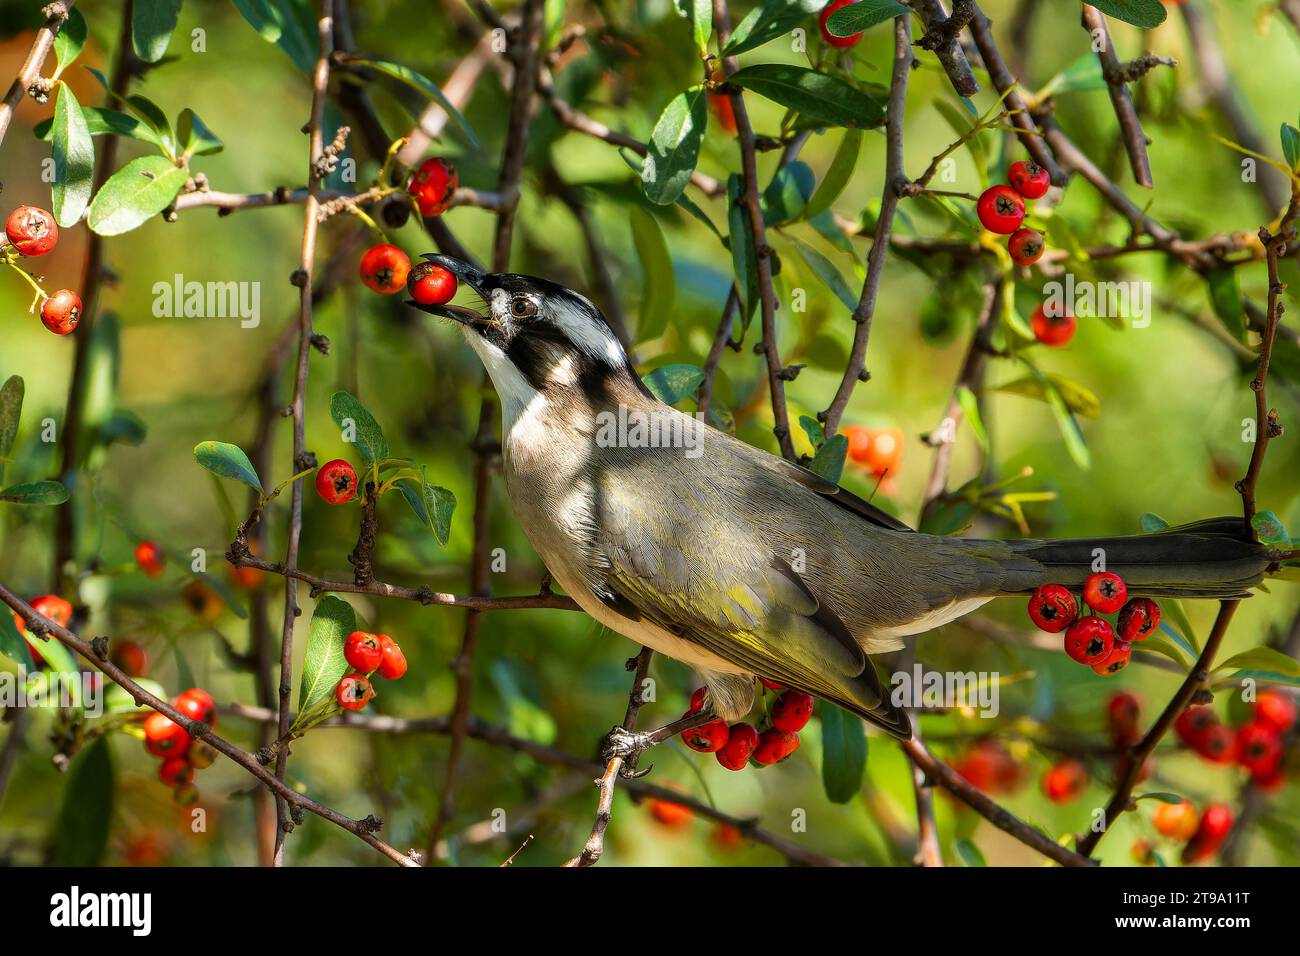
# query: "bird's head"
(533, 334)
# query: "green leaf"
(193, 137)
(837, 175)
(227, 461)
(125, 427)
(825, 271)
(829, 460)
(359, 427)
(81, 830)
(1161, 795)
(1263, 659)
(422, 83)
(674, 146)
(844, 748)
(1225, 296)
(324, 664)
(101, 122)
(968, 853)
(1078, 399)
(1181, 642)
(741, 240)
(1140, 13)
(1161, 643)
(700, 13)
(152, 25)
(1082, 75)
(768, 21)
(74, 159)
(12, 644)
(35, 493)
(961, 125)
(282, 22)
(432, 504)
(11, 410)
(1075, 443)
(813, 429)
(1269, 529)
(659, 285)
(819, 96)
(139, 190)
(1291, 145)
(70, 41)
(971, 409)
(853, 19)
(153, 117)
(117, 700)
(1152, 522)
(262, 17)
(788, 193)
(671, 383)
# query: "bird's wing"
(826, 488)
(747, 605)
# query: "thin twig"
(56, 14)
(946, 45)
(1130, 127)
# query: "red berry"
(1122, 713)
(31, 230)
(1259, 748)
(771, 684)
(724, 112)
(197, 704)
(668, 813)
(1089, 640)
(392, 663)
(354, 691)
(175, 772)
(1218, 744)
(433, 186)
(829, 37)
(1178, 821)
(1052, 330)
(431, 284)
(201, 755)
(1194, 723)
(1216, 823)
(774, 745)
(1138, 619)
(131, 658)
(707, 738)
(363, 651)
(1276, 708)
(163, 737)
(61, 311)
(1065, 780)
(989, 766)
(792, 711)
(885, 450)
(735, 753)
(1029, 179)
(53, 607)
(149, 558)
(336, 482)
(1104, 592)
(1001, 209)
(697, 700)
(1053, 608)
(384, 269)
(859, 438)
(1270, 781)
(1026, 247)
(1118, 658)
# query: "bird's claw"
(624, 743)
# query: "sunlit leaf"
(674, 146)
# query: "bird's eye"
(522, 307)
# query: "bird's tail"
(1215, 558)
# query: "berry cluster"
(738, 745)
(1001, 209)
(386, 269)
(367, 653)
(1256, 744)
(179, 753)
(1092, 640)
(31, 231)
(1200, 833)
(877, 449)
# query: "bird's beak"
(466, 273)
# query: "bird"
(740, 563)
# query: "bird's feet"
(627, 744)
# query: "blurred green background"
(1168, 439)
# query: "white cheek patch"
(586, 332)
(516, 394)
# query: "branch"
(1135, 140)
(895, 182)
(41, 626)
(229, 203)
(55, 15)
(301, 458)
(941, 38)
